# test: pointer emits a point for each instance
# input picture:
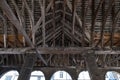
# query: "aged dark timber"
(50, 35)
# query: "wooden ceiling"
(35, 24)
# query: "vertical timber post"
(92, 67)
(27, 67)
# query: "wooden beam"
(66, 31)
(17, 41)
(83, 20)
(63, 18)
(5, 31)
(31, 18)
(49, 50)
(73, 18)
(113, 60)
(93, 22)
(51, 13)
(40, 19)
(110, 68)
(53, 22)
(56, 50)
(47, 22)
(86, 34)
(77, 17)
(11, 16)
(23, 20)
(20, 16)
(105, 15)
(94, 17)
(50, 36)
(43, 22)
(85, 9)
(76, 32)
(115, 19)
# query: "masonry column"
(92, 67)
(2, 71)
(48, 72)
(27, 67)
(73, 73)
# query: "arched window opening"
(112, 75)
(11, 75)
(61, 75)
(84, 75)
(37, 75)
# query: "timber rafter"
(58, 30)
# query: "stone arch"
(3, 71)
(11, 74)
(37, 75)
(48, 72)
(61, 74)
(112, 75)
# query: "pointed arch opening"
(10, 75)
(37, 75)
(112, 75)
(61, 75)
(84, 75)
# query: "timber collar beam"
(51, 50)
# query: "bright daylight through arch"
(10, 75)
(37, 75)
(84, 75)
(61, 75)
(112, 75)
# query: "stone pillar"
(73, 74)
(2, 71)
(27, 67)
(48, 73)
(92, 67)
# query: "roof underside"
(72, 25)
